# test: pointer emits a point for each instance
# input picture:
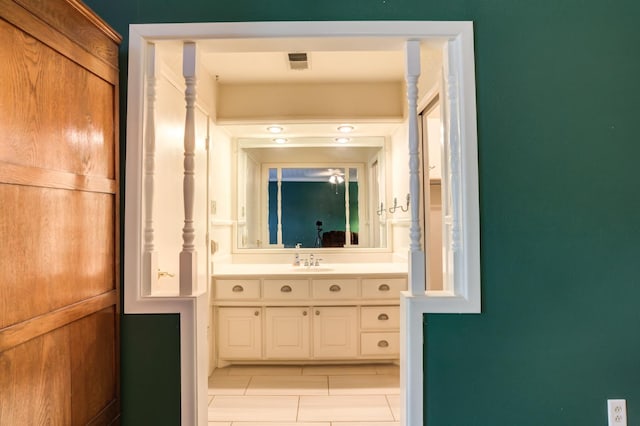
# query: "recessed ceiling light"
(275, 129)
(342, 140)
(279, 140)
(346, 128)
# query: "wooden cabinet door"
(335, 332)
(240, 333)
(287, 333)
(59, 215)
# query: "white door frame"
(463, 296)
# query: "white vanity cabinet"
(237, 289)
(287, 332)
(335, 332)
(335, 289)
(379, 330)
(285, 289)
(306, 317)
(239, 332)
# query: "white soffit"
(331, 60)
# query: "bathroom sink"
(310, 269)
(320, 269)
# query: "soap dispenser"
(296, 261)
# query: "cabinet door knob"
(383, 317)
(285, 289)
(335, 288)
(317, 312)
(383, 344)
(384, 287)
(256, 313)
(237, 289)
(304, 313)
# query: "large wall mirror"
(310, 193)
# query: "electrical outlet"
(617, 411)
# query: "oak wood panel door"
(59, 215)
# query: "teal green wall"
(150, 365)
(558, 87)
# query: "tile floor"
(317, 395)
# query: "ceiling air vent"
(298, 61)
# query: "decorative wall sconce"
(395, 206)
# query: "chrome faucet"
(312, 261)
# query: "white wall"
(220, 192)
(258, 102)
(430, 69)
(167, 203)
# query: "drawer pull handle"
(256, 313)
(384, 287)
(304, 313)
(285, 289)
(335, 288)
(383, 317)
(237, 289)
(383, 344)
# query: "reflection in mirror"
(313, 197)
(313, 207)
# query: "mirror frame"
(383, 157)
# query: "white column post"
(453, 178)
(416, 253)
(188, 255)
(150, 256)
(411, 371)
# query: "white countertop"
(245, 269)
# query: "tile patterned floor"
(319, 395)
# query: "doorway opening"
(163, 52)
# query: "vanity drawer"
(387, 343)
(380, 317)
(383, 288)
(236, 289)
(335, 289)
(285, 289)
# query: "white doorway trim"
(463, 296)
